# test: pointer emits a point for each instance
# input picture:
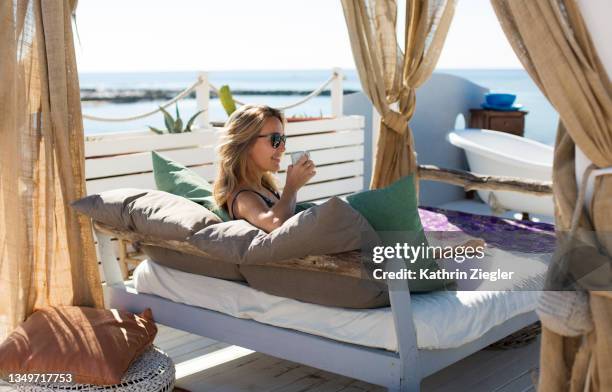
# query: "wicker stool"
(520, 338)
(153, 371)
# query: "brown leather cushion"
(96, 346)
(322, 288)
(193, 264)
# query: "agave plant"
(175, 125)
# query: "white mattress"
(442, 319)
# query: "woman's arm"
(251, 207)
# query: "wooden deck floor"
(206, 365)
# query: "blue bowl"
(503, 100)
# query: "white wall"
(597, 15)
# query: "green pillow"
(393, 213)
(303, 206)
(172, 177)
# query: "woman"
(252, 149)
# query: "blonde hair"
(241, 131)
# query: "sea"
(263, 87)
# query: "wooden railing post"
(337, 93)
(203, 100)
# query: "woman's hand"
(300, 173)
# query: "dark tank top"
(266, 200)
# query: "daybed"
(396, 346)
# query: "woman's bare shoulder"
(246, 201)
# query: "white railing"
(203, 87)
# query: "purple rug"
(506, 234)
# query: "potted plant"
(175, 125)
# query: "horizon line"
(285, 70)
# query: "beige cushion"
(151, 212)
(168, 216)
(96, 346)
(328, 228)
(109, 207)
(193, 264)
(162, 215)
(315, 287)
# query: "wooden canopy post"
(471, 181)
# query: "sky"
(222, 35)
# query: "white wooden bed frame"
(115, 161)
(401, 371)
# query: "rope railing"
(180, 96)
(313, 94)
(191, 88)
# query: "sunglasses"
(276, 139)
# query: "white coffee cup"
(295, 156)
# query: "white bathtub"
(502, 154)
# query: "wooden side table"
(510, 122)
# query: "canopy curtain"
(553, 44)
(47, 254)
(388, 75)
